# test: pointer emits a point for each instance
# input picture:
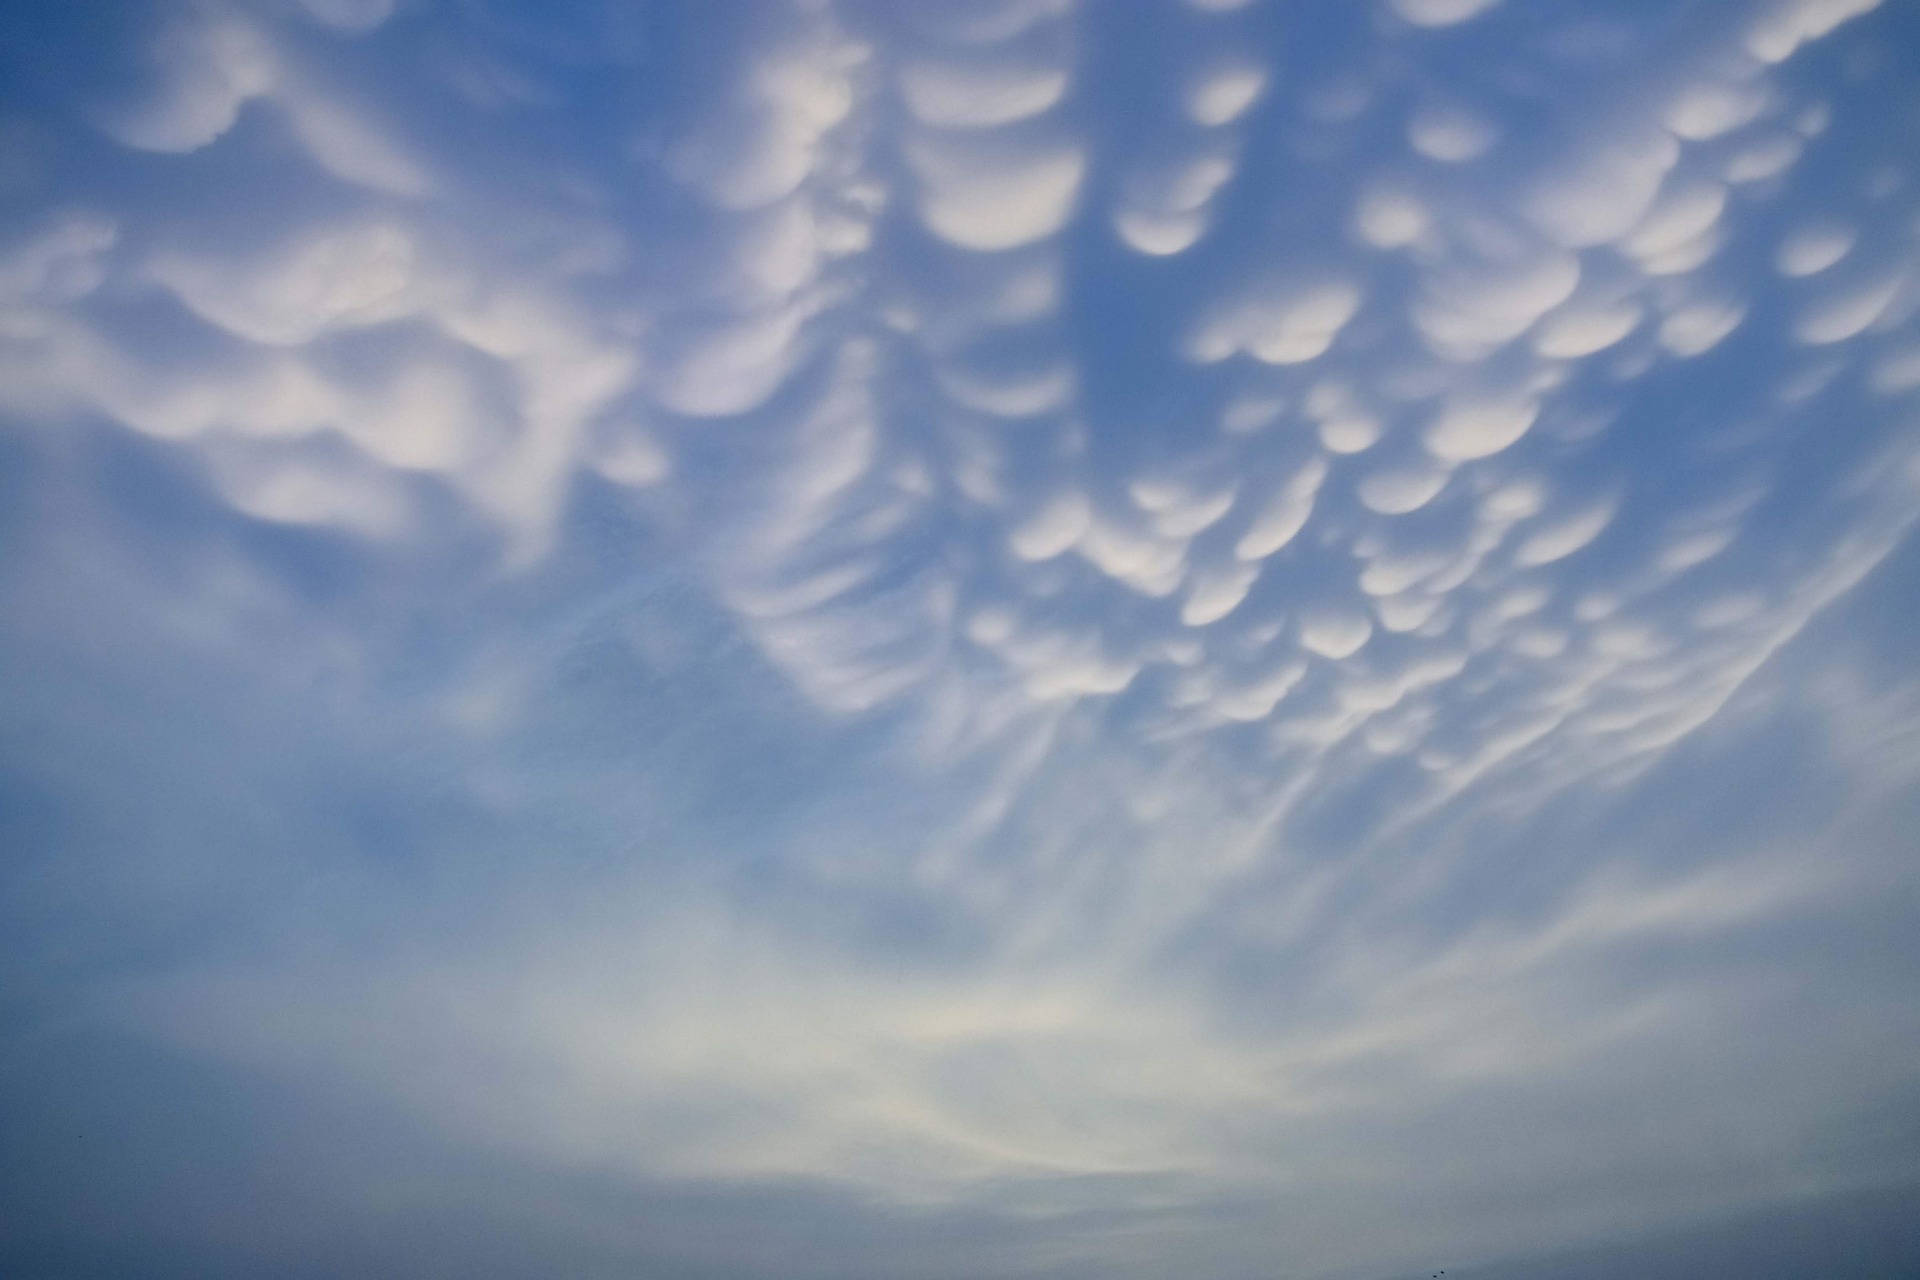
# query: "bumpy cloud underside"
(1008, 607)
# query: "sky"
(960, 639)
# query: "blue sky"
(958, 638)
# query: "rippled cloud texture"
(895, 638)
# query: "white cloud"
(1681, 217)
(1280, 327)
(989, 22)
(1392, 574)
(1256, 699)
(1847, 313)
(1711, 110)
(1604, 195)
(1692, 549)
(993, 198)
(1139, 559)
(314, 488)
(208, 73)
(1578, 330)
(1810, 250)
(1054, 529)
(1450, 134)
(1390, 219)
(213, 65)
(1160, 234)
(1349, 434)
(1565, 535)
(731, 367)
(1334, 633)
(979, 93)
(350, 15)
(338, 278)
(1897, 371)
(1188, 183)
(1407, 613)
(1059, 667)
(631, 457)
(1217, 592)
(1163, 208)
(1011, 395)
(1698, 327)
(767, 139)
(1788, 24)
(1178, 512)
(1729, 610)
(1303, 327)
(917, 491)
(1285, 514)
(1222, 94)
(428, 419)
(1466, 311)
(64, 262)
(1767, 157)
(1441, 13)
(350, 149)
(1399, 490)
(1474, 427)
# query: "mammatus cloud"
(993, 612)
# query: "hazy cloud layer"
(976, 637)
